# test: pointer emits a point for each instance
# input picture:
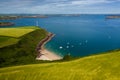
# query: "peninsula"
(9, 17)
(17, 46)
(6, 24)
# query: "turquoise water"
(78, 35)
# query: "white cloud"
(83, 2)
(54, 6)
(86, 2)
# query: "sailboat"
(37, 23)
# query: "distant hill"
(113, 17)
(17, 45)
(97, 67)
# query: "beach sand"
(47, 55)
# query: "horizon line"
(60, 13)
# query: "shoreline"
(43, 53)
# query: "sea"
(80, 35)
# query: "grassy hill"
(97, 67)
(17, 45)
(10, 36)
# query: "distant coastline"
(18, 17)
(113, 17)
(44, 54)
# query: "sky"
(60, 6)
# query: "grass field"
(15, 32)
(97, 67)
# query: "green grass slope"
(6, 41)
(10, 36)
(17, 45)
(96, 67)
(15, 32)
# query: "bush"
(67, 57)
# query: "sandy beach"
(47, 55)
(44, 54)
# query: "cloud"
(85, 2)
(57, 6)
(16, 3)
